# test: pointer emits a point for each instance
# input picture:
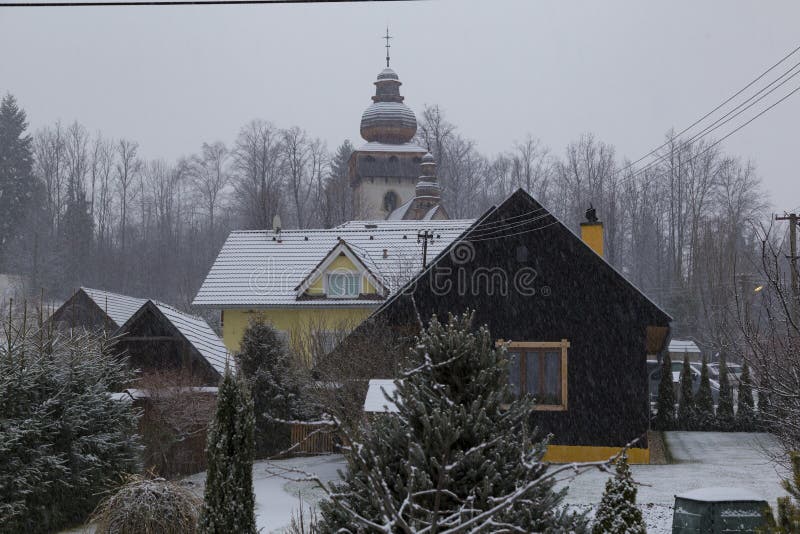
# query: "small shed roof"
(376, 401)
(720, 494)
(119, 308)
(683, 345)
(197, 332)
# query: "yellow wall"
(592, 235)
(342, 263)
(291, 320)
(563, 454)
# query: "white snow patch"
(720, 494)
(277, 498)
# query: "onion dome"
(427, 185)
(387, 119)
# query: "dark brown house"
(579, 332)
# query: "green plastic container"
(718, 510)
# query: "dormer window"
(343, 285)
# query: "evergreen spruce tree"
(266, 365)
(458, 442)
(725, 419)
(64, 439)
(789, 507)
(704, 401)
(618, 512)
(665, 404)
(16, 179)
(745, 414)
(686, 406)
(229, 503)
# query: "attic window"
(342, 285)
(539, 369)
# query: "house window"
(539, 369)
(342, 285)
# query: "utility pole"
(423, 237)
(792, 218)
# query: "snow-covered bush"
(64, 439)
(229, 504)
(618, 513)
(148, 506)
(459, 453)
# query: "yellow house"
(315, 285)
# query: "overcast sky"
(173, 77)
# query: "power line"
(701, 119)
(717, 124)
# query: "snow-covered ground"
(278, 498)
(701, 459)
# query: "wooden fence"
(322, 442)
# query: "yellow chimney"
(592, 235)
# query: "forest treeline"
(80, 208)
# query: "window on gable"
(539, 369)
(343, 285)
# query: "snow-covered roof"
(683, 345)
(399, 213)
(375, 401)
(197, 332)
(119, 308)
(720, 494)
(259, 268)
(375, 146)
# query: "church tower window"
(390, 201)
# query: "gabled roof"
(259, 268)
(493, 226)
(359, 257)
(195, 330)
(119, 308)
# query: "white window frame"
(353, 274)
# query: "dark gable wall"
(81, 311)
(162, 354)
(577, 297)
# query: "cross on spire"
(387, 37)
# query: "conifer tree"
(725, 419)
(618, 512)
(665, 404)
(745, 415)
(16, 179)
(266, 365)
(686, 405)
(704, 401)
(789, 507)
(229, 503)
(64, 438)
(459, 445)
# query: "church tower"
(385, 170)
